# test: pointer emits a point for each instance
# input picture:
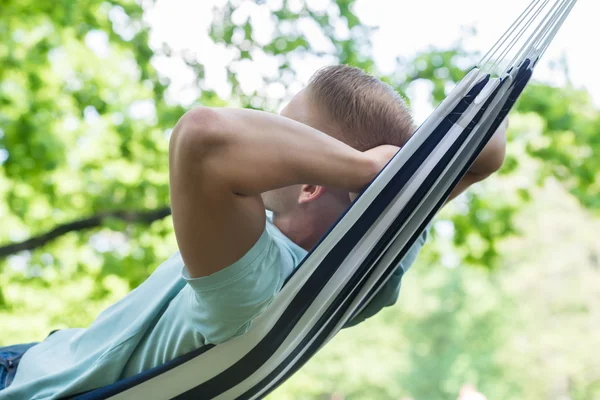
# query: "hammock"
(354, 259)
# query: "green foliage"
(464, 330)
(84, 126)
(570, 141)
(74, 79)
(289, 43)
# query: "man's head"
(355, 108)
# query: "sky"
(402, 29)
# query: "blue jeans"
(9, 361)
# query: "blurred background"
(503, 300)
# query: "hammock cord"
(528, 37)
(492, 54)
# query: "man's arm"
(489, 161)
(221, 160)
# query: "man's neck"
(297, 230)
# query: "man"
(226, 167)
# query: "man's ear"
(310, 193)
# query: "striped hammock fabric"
(361, 251)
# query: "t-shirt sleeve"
(226, 302)
(389, 293)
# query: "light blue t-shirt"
(168, 315)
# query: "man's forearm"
(255, 151)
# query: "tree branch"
(129, 216)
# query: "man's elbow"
(196, 133)
(499, 154)
(491, 158)
(497, 148)
(495, 162)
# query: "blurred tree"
(83, 123)
(84, 127)
(465, 319)
(80, 77)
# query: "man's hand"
(379, 156)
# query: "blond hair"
(367, 111)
